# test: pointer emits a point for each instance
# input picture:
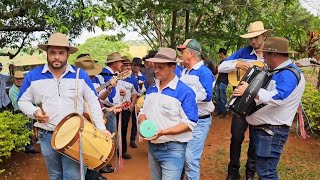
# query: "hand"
(117, 110)
(113, 82)
(156, 136)
(131, 107)
(122, 92)
(106, 132)
(241, 88)
(41, 118)
(243, 65)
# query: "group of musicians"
(179, 101)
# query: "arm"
(25, 98)
(204, 93)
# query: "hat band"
(162, 56)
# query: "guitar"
(120, 76)
(235, 77)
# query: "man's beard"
(63, 64)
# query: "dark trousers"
(124, 128)
(238, 127)
(134, 126)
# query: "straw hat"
(89, 65)
(255, 29)
(277, 44)
(114, 57)
(165, 55)
(60, 40)
(18, 74)
(127, 60)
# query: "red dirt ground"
(213, 163)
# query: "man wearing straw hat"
(171, 105)
(113, 66)
(243, 59)
(200, 78)
(280, 100)
(13, 95)
(53, 86)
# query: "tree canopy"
(20, 20)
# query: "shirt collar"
(111, 71)
(254, 52)
(68, 69)
(284, 64)
(198, 65)
(172, 84)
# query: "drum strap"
(76, 92)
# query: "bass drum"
(96, 147)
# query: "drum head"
(140, 102)
(148, 128)
(67, 131)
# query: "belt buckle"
(266, 130)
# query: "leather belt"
(45, 131)
(204, 116)
(273, 126)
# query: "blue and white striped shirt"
(282, 97)
(170, 106)
(200, 79)
(58, 95)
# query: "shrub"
(14, 135)
(310, 101)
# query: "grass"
(293, 165)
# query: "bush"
(14, 135)
(310, 101)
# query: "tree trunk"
(187, 20)
(173, 29)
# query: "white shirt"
(57, 95)
(169, 107)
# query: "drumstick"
(39, 104)
(112, 135)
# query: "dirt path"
(301, 159)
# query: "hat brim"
(257, 33)
(45, 47)
(281, 52)
(181, 47)
(159, 60)
(114, 60)
(92, 72)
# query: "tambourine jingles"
(148, 128)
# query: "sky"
(313, 6)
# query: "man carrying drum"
(54, 86)
(243, 59)
(171, 105)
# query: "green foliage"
(310, 101)
(13, 133)
(20, 19)
(99, 47)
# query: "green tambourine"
(148, 128)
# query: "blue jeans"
(195, 148)
(268, 151)
(59, 166)
(111, 123)
(166, 160)
(221, 98)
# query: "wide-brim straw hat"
(89, 65)
(114, 57)
(165, 55)
(59, 40)
(255, 29)
(127, 60)
(18, 74)
(277, 45)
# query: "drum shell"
(97, 148)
